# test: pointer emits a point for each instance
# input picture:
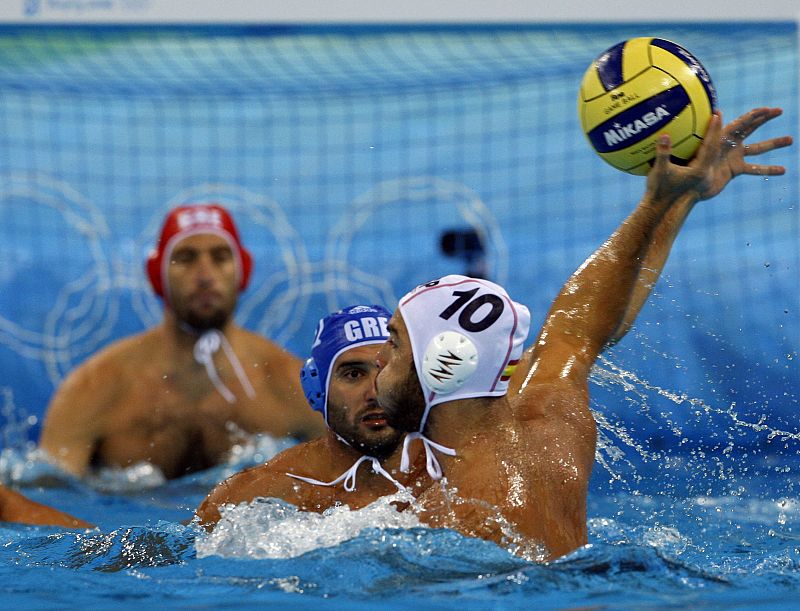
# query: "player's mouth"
(374, 419)
(206, 298)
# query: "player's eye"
(182, 257)
(222, 255)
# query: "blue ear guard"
(312, 386)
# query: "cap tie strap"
(209, 344)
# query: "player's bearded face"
(203, 281)
(403, 401)
(398, 388)
(353, 410)
(203, 320)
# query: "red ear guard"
(153, 267)
(247, 268)
(191, 219)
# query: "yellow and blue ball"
(641, 88)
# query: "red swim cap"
(192, 219)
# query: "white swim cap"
(466, 335)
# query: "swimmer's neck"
(339, 451)
(182, 334)
(454, 423)
(341, 456)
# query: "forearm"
(594, 303)
(16, 508)
(600, 301)
(652, 264)
(721, 158)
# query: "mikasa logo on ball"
(637, 89)
(620, 133)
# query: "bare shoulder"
(265, 354)
(284, 462)
(119, 356)
(275, 374)
(557, 411)
(269, 480)
(239, 488)
(259, 343)
(248, 484)
(98, 382)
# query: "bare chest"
(178, 427)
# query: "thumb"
(663, 152)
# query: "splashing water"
(691, 446)
(268, 528)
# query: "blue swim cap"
(358, 325)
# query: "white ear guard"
(448, 362)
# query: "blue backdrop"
(346, 154)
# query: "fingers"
(723, 145)
(712, 141)
(758, 148)
(763, 170)
(762, 147)
(742, 128)
(663, 152)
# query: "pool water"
(649, 546)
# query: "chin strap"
(349, 476)
(209, 344)
(431, 462)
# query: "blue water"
(644, 550)
(693, 524)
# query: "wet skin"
(523, 461)
(353, 414)
(146, 399)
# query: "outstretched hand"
(720, 158)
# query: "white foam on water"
(140, 476)
(268, 528)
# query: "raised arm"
(730, 162)
(600, 301)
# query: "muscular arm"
(14, 507)
(600, 301)
(652, 264)
(72, 423)
(243, 487)
(725, 161)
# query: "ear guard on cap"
(312, 386)
(449, 361)
(153, 267)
